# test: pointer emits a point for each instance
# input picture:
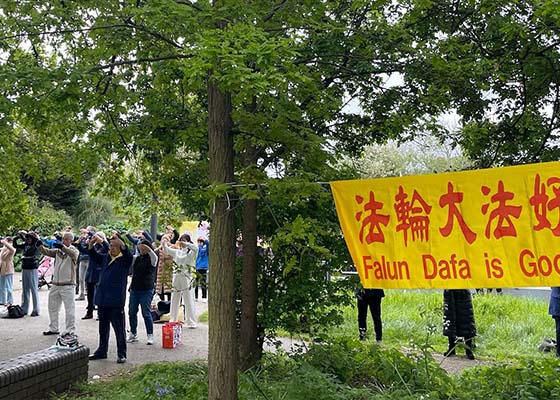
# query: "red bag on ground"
(171, 335)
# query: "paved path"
(25, 335)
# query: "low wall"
(36, 375)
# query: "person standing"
(554, 312)
(100, 245)
(184, 257)
(458, 320)
(7, 271)
(142, 289)
(29, 277)
(370, 298)
(110, 294)
(63, 283)
(83, 261)
(202, 268)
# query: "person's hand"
(57, 245)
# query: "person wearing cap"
(110, 294)
(184, 256)
(29, 277)
(63, 283)
(142, 289)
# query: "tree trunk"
(222, 340)
(250, 349)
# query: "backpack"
(15, 311)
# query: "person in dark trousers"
(370, 298)
(142, 288)
(202, 268)
(93, 270)
(554, 311)
(110, 294)
(458, 320)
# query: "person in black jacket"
(142, 290)
(29, 277)
(458, 320)
(370, 298)
(110, 293)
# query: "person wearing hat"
(142, 290)
(184, 255)
(29, 277)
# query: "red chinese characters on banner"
(372, 220)
(451, 199)
(503, 212)
(542, 203)
(412, 215)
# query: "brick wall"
(36, 375)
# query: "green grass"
(508, 327)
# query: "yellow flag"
(491, 228)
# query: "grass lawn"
(508, 327)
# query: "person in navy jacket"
(110, 293)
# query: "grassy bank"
(508, 327)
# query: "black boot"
(451, 349)
(363, 332)
(468, 349)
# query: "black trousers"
(111, 316)
(90, 288)
(201, 281)
(557, 323)
(374, 304)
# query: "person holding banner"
(554, 311)
(458, 320)
(370, 298)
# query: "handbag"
(15, 311)
(164, 306)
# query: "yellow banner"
(490, 228)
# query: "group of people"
(98, 267)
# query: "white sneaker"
(132, 337)
(150, 339)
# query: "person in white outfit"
(184, 256)
(64, 283)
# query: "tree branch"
(142, 60)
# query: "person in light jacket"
(7, 271)
(184, 256)
(63, 283)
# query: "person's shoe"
(34, 314)
(80, 298)
(191, 326)
(469, 354)
(97, 357)
(132, 337)
(48, 333)
(87, 316)
(150, 339)
(121, 360)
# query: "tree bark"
(250, 349)
(222, 340)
